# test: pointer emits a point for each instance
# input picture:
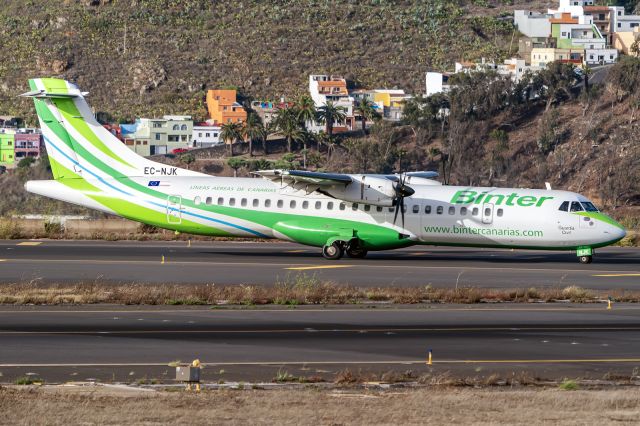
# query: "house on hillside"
(623, 41)
(28, 143)
(152, 136)
(267, 110)
(206, 135)
(7, 149)
(325, 88)
(224, 108)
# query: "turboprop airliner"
(341, 213)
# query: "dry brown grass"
(522, 406)
(297, 290)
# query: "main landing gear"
(337, 249)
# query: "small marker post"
(430, 358)
(609, 303)
(162, 261)
(189, 243)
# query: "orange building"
(223, 107)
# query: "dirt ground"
(441, 405)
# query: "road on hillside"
(228, 263)
(128, 344)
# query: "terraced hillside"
(148, 57)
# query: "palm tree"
(306, 109)
(367, 111)
(230, 133)
(286, 123)
(330, 113)
(253, 130)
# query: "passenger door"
(174, 209)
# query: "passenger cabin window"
(354, 207)
(378, 209)
(329, 205)
(343, 206)
(318, 205)
(243, 202)
(280, 204)
(452, 210)
(367, 207)
(475, 211)
(427, 209)
(487, 211)
(196, 201)
(292, 204)
(305, 204)
(232, 201)
(499, 212)
(439, 210)
(416, 208)
(256, 202)
(267, 203)
(463, 211)
(576, 207)
(208, 200)
(564, 207)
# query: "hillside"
(153, 57)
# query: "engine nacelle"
(365, 189)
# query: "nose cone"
(616, 230)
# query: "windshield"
(589, 207)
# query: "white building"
(437, 82)
(153, 136)
(621, 22)
(532, 24)
(600, 56)
(206, 136)
(325, 88)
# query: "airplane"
(350, 214)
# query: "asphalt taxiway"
(129, 344)
(229, 263)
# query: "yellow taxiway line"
(617, 275)
(308, 268)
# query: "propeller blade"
(395, 215)
(402, 209)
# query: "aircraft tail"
(78, 146)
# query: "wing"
(295, 177)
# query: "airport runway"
(228, 263)
(132, 343)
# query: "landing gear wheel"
(334, 251)
(357, 253)
(585, 259)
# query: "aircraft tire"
(585, 259)
(357, 253)
(334, 251)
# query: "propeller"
(402, 190)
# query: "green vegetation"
(569, 385)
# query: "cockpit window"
(576, 207)
(564, 207)
(589, 206)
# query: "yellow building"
(541, 56)
(624, 40)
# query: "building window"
(157, 136)
(176, 127)
(183, 127)
(208, 134)
(200, 134)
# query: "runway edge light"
(609, 302)
(430, 358)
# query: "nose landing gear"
(585, 255)
(585, 259)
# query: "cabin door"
(174, 209)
